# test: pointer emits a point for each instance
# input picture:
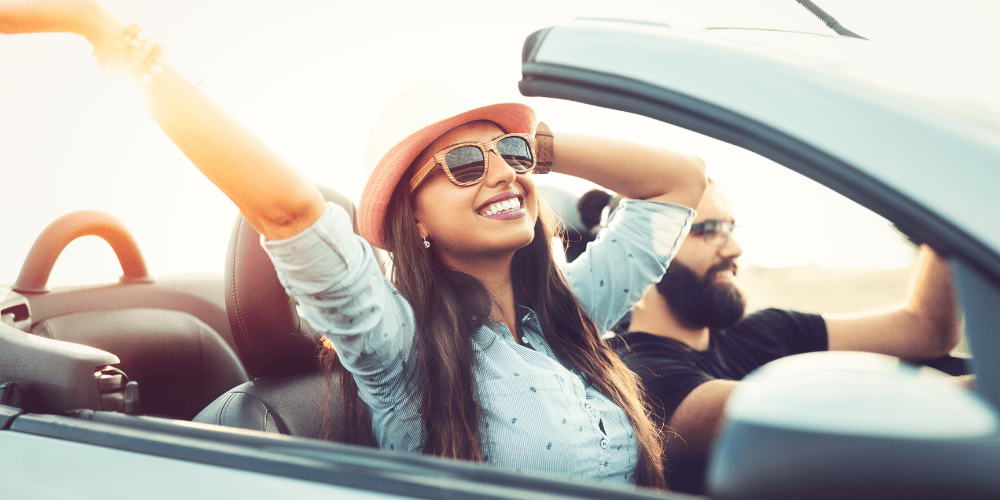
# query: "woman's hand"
(277, 199)
(83, 17)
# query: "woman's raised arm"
(276, 198)
(631, 170)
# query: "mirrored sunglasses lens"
(466, 164)
(516, 152)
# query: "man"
(691, 345)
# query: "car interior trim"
(7, 415)
(57, 376)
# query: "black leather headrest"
(270, 337)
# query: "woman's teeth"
(503, 206)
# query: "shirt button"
(588, 407)
(605, 443)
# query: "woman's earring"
(427, 244)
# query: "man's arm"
(926, 327)
(693, 426)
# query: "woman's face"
(458, 221)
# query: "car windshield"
(310, 78)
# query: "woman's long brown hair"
(450, 306)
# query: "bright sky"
(310, 76)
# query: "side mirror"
(852, 424)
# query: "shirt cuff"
(669, 223)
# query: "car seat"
(288, 393)
(180, 363)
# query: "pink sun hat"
(415, 119)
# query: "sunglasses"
(467, 164)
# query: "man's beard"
(700, 302)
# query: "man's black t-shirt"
(670, 370)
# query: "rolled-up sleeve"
(628, 256)
(334, 275)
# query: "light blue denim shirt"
(538, 415)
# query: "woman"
(477, 348)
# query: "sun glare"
(311, 88)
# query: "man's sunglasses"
(466, 164)
(716, 233)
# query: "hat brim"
(374, 204)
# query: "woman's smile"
(504, 206)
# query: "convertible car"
(198, 388)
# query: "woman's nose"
(499, 170)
